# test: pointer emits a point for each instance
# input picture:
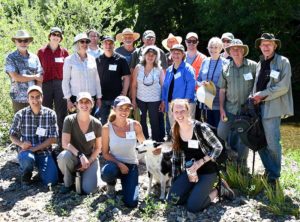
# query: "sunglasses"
(226, 41)
(84, 41)
(22, 40)
(191, 41)
(56, 34)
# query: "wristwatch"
(79, 154)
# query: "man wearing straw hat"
(236, 83)
(127, 37)
(24, 69)
(273, 91)
(168, 44)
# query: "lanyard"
(213, 70)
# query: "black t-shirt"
(197, 154)
(264, 74)
(111, 70)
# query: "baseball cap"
(35, 88)
(108, 38)
(191, 34)
(149, 33)
(122, 100)
(178, 47)
(84, 95)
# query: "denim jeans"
(130, 184)
(271, 155)
(168, 126)
(195, 195)
(154, 118)
(105, 110)
(43, 161)
(232, 138)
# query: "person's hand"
(99, 103)
(123, 168)
(223, 116)
(85, 163)
(157, 150)
(161, 107)
(39, 78)
(257, 99)
(25, 145)
(204, 83)
(71, 106)
(134, 106)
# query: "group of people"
(93, 85)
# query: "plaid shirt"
(25, 125)
(178, 159)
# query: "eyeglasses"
(150, 38)
(146, 80)
(22, 40)
(226, 41)
(84, 41)
(56, 34)
(191, 41)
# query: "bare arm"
(126, 81)
(222, 103)
(25, 78)
(134, 86)
(97, 150)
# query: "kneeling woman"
(120, 136)
(81, 139)
(194, 187)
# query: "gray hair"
(215, 41)
(151, 48)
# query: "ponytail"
(112, 116)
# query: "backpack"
(222, 158)
(249, 127)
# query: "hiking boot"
(226, 191)
(111, 191)
(26, 178)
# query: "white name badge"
(90, 136)
(194, 144)
(177, 75)
(59, 59)
(248, 76)
(130, 135)
(274, 74)
(41, 131)
(112, 68)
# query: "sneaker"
(111, 191)
(226, 191)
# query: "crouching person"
(81, 141)
(120, 136)
(33, 130)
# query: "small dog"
(158, 166)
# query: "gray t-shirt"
(78, 139)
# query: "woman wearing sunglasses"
(146, 85)
(80, 74)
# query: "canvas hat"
(85, 95)
(81, 36)
(149, 33)
(206, 94)
(122, 100)
(227, 35)
(178, 47)
(171, 36)
(191, 34)
(127, 31)
(35, 88)
(22, 34)
(238, 43)
(269, 37)
(108, 38)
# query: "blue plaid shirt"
(25, 125)
(29, 65)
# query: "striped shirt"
(238, 83)
(26, 123)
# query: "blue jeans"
(195, 195)
(227, 134)
(130, 184)
(43, 161)
(168, 126)
(152, 108)
(271, 155)
(105, 110)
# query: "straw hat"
(127, 31)
(171, 36)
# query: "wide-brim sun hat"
(171, 36)
(238, 43)
(22, 34)
(127, 31)
(81, 36)
(269, 37)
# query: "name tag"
(248, 76)
(177, 75)
(112, 68)
(193, 144)
(130, 135)
(59, 59)
(274, 74)
(90, 136)
(41, 131)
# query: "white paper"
(112, 68)
(90, 136)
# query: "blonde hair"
(175, 127)
(112, 116)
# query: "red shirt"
(52, 62)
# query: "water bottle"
(78, 182)
(193, 177)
